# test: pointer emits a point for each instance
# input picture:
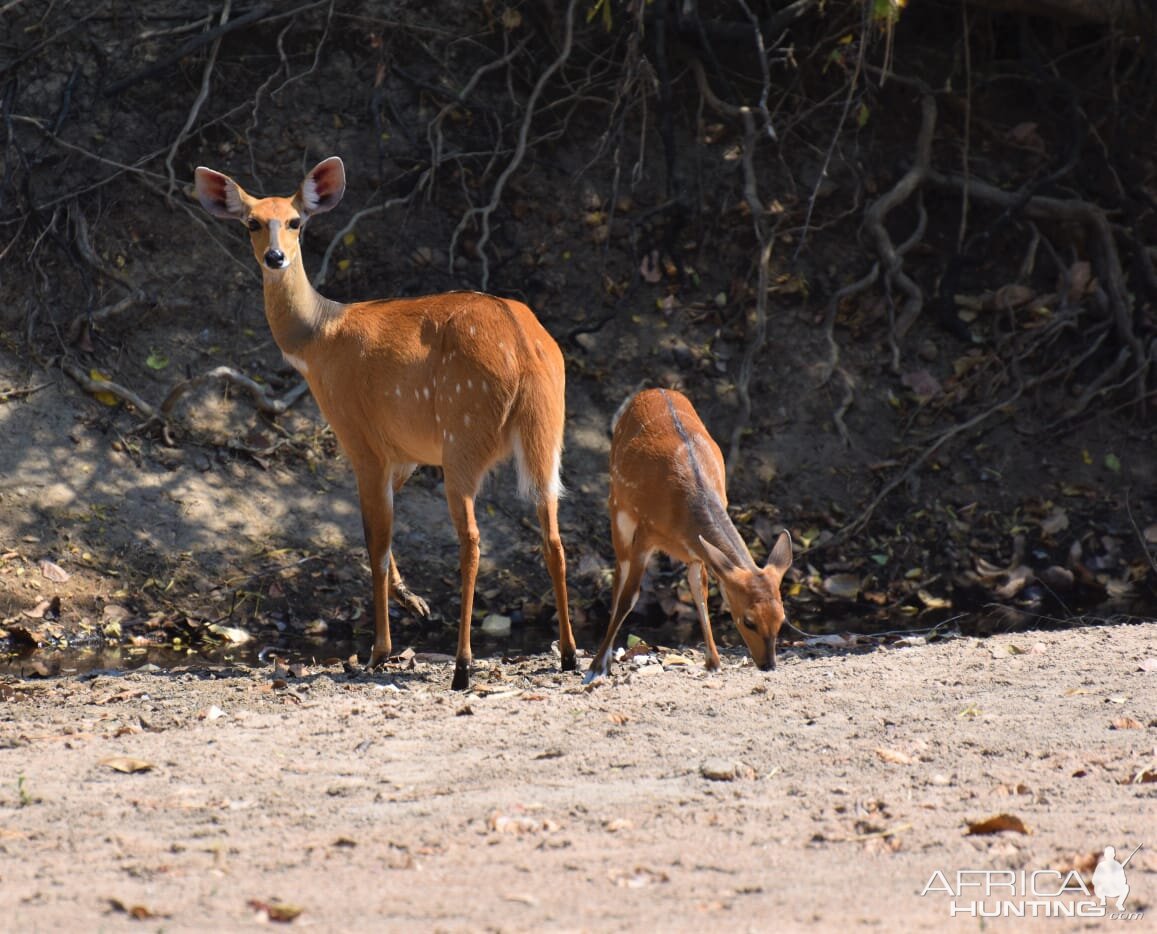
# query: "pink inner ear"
(326, 180)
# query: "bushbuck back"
(668, 492)
(460, 379)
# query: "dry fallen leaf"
(1126, 723)
(520, 824)
(997, 824)
(127, 764)
(894, 756)
(275, 911)
(844, 586)
(639, 877)
(52, 571)
(1056, 522)
(230, 634)
(136, 912)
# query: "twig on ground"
(265, 403)
(7, 395)
(77, 324)
(96, 385)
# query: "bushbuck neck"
(297, 313)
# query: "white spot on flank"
(457, 387)
(450, 437)
(485, 386)
(469, 384)
(297, 363)
(426, 391)
(473, 330)
(398, 391)
(417, 394)
(466, 420)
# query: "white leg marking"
(626, 525)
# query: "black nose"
(274, 259)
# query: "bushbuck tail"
(668, 492)
(461, 379)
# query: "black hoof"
(569, 663)
(461, 680)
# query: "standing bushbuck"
(668, 492)
(460, 379)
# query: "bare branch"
(519, 153)
(265, 403)
(202, 96)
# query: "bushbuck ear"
(219, 194)
(322, 188)
(717, 561)
(780, 557)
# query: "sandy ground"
(826, 794)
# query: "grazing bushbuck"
(459, 379)
(668, 492)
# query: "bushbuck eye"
(295, 223)
(253, 224)
(750, 625)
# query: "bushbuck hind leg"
(628, 577)
(462, 512)
(697, 578)
(555, 557)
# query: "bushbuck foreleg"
(376, 494)
(697, 578)
(628, 576)
(462, 512)
(555, 557)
